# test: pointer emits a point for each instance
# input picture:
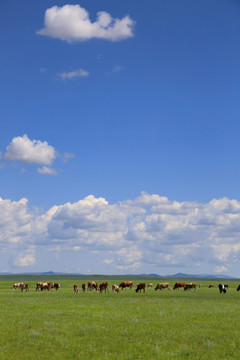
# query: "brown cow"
(162, 286)
(17, 285)
(179, 285)
(190, 286)
(75, 288)
(55, 286)
(140, 287)
(211, 286)
(150, 285)
(115, 288)
(84, 287)
(38, 286)
(126, 284)
(46, 286)
(103, 286)
(24, 286)
(92, 285)
(43, 286)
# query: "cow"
(226, 286)
(24, 286)
(92, 285)
(162, 286)
(126, 284)
(55, 286)
(84, 287)
(103, 286)
(179, 285)
(45, 286)
(38, 286)
(150, 285)
(17, 285)
(222, 288)
(115, 288)
(200, 286)
(211, 286)
(75, 288)
(140, 287)
(238, 288)
(190, 286)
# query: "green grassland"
(173, 324)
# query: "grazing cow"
(92, 285)
(55, 286)
(141, 287)
(150, 285)
(190, 286)
(17, 285)
(222, 288)
(24, 286)
(43, 286)
(211, 286)
(46, 286)
(226, 286)
(122, 285)
(238, 288)
(75, 288)
(84, 287)
(103, 286)
(179, 285)
(38, 286)
(162, 286)
(115, 288)
(126, 284)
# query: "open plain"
(162, 324)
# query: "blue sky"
(119, 145)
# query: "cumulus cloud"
(73, 74)
(26, 258)
(72, 23)
(33, 152)
(148, 232)
(29, 151)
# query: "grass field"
(155, 325)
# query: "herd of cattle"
(103, 286)
(39, 286)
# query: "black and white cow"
(222, 288)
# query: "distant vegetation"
(175, 324)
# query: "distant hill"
(202, 276)
(182, 275)
(178, 275)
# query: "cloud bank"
(149, 232)
(72, 23)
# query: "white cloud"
(45, 170)
(27, 258)
(34, 152)
(66, 156)
(72, 23)
(73, 74)
(150, 231)
(118, 68)
(220, 269)
(29, 151)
